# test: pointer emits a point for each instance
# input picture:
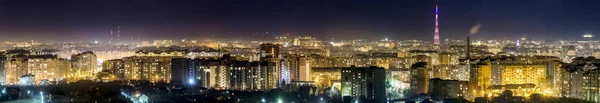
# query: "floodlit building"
(16, 66)
(539, 73)
(479, 79)
(520, 74)
(325, 76)
(44, 67)
(153, 69)
(47, 67)
(84, 66)
(112, 70)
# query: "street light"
(191, 81)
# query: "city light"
(42, 96)
(191, 81)
(284, 51)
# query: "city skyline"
(300, 51)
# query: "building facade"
(447, 89)
(84, 66)
(364, 84)
(42, 67)
(153, 69)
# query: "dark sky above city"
(80, 20)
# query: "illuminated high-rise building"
(479, 79)
(228, 73)
(591, 83)
(450, 72)
(298, 67)
(436, 36)
(43, 67)
(84, 66)
(448, 58)
(240, 76)
(2, 68)
(364, 84)
(581, 79)
(15, 67)
(291, 63)
(244, 75)
(153, 69)
(572, 85)
(518, 74)
(113, 69)
(490, 76)
(270, 53)
(225, 72)
(304, 69)
(48, 67)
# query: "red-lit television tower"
(436, 36)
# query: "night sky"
(81, 20)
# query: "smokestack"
(468, 48)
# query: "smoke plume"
(475, 29)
